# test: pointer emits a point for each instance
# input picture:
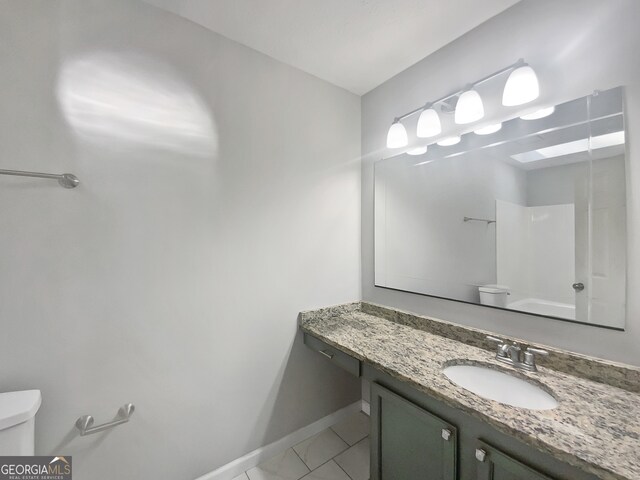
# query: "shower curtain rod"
(66, 180)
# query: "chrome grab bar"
(84, 423)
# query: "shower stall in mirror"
(530, 218)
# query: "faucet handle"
(530, 357)
(538, 351)
(502, 346)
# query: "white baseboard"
(366, 408)
(252, 459)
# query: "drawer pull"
(326, 354)
(335, 355)
(446, 434)
(480, 454)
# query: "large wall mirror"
(530, 218)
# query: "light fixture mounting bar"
(517, 64)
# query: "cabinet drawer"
(337, 357)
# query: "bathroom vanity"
(423, 425)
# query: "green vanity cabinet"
(415, 436)
(496, 465)
(408, 442)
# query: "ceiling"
(355, 44)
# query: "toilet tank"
(17, 422)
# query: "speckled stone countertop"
(596, 426)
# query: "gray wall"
(220, 195)
(576, 46)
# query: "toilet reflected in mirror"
(494, 295)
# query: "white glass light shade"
(447, 142)
(543, 112)
(428, 124)
(417, 151)
(521, 87)
(469, 108)
(397, 136)
(489, 129)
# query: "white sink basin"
(501, 387)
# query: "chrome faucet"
(512, 354)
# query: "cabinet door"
(409, 443)
(496, 465)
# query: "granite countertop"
(596, 427)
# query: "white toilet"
(494, 295)
(17, 422)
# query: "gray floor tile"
(328, 471)
(286, 466)
(353, 429)
(320, 448)
(355, 461)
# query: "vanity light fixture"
(469, 108)
(543, 112)
(521, 87)
(397, 135)
(417, 151)
(429, 123)
(489, 129)
(449, 141)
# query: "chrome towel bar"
(66, 180)
(84, 423)
(472, 219)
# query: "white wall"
(576, 46)
(535, 250)
(220, 195)
(601, 263)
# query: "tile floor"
(337, 453)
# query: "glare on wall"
(137, 101)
